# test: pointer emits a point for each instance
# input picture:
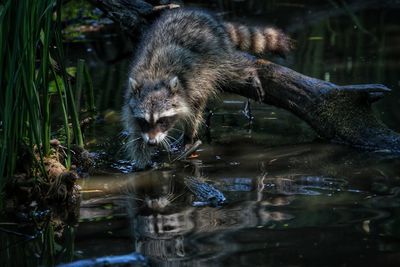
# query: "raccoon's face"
(155, 108)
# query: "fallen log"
(341, 114)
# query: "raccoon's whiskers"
(133, 140)
(165, 144)
(127, 144)
(129, 194)
(175, 198)
(168, 143)
(171, 137)
(176, 129)
(174, 142)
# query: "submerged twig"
(188, 152)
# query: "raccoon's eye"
(143, 123)
(165, 122)
(162, 121)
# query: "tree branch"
(131, 15)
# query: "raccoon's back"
(204, 34)
(190, 41)
(193, 29)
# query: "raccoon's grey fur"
(183, 59)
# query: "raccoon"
(183, 59)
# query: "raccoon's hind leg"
(255, 83)
(244, 73)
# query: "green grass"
(31, 46)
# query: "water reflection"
(274, 195)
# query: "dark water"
(293, 200)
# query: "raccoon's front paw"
(141, 157)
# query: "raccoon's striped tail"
(259, 40)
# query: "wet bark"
(338, 113)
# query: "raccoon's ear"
(133, 84)
(173, 84)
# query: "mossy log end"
(341, 114)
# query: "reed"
(30, 45)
